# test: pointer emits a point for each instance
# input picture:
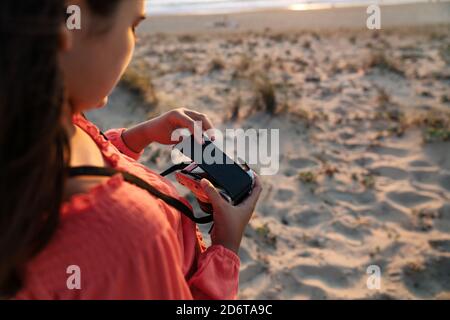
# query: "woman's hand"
(230, 221)
(160, 129)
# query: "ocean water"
(174, 7)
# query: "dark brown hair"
(103, 8)
(34, 148)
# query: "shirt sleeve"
(115, 137)
(217, 275)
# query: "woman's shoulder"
(104, 234)
(115, 202)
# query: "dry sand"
(365, 167)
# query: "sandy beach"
(318, 18)
(364, 120)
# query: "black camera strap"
(130, 178)
(176, 167)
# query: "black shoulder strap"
(179, 166)
(101, 132)
(130, 178)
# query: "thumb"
(212, 193)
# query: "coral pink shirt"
(127, 243)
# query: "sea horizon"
(191, 7)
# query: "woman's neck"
(67, 120)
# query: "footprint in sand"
(384, 211)
(443, 223)
(390, 172)
(294, 288)
(408, 199)
(308, 217)
(302, 163)
(251, 271)
(363, 161)
(420, 163)
(244, 254)
(284, 195)
(439, 153)
(381, 296)
(290, 172)
(359, 198)
(336, 276)
(442, 245)
(444, 181)
(347, 134)
(424, 176)
(430, 279)
(350, 230)
(389, 151)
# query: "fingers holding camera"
(183, 120)
(230, 221)
(252, 199)
(187, 119)
(213, 195)
(161, 129)
(197, 116)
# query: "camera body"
(191, 176)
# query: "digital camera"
(234, 181)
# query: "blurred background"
(364, 120)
